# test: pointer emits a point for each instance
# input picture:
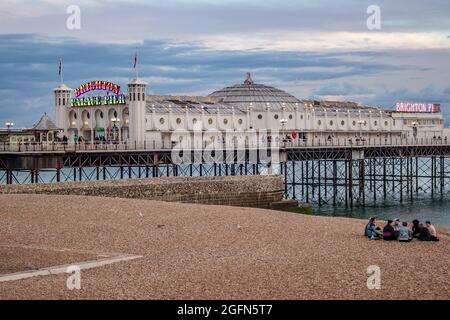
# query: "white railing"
(158, 145)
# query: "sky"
(312, 49)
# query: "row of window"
(422, 122)
(260, 116)
(364, 123)
(88, 115)
(210, 121)
(319, 122)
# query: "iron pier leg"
(284, 165)
(334, 182)
(319, 194)
(307, 181)
(350, 182)
(401, 180)
(293, 181)
(384, 179)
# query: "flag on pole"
(60, 71)
(135, 59)
(60, 67)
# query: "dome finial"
(249, 79)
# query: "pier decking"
(317, 172)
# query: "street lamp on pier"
(414, 125)
(8, 125)
(360, 123)
(283, 123)
(115, 130)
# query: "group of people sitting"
(396, 230)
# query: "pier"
(319, 173)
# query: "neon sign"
(97, 85)
(417, 107)
(115, 99)
(98, 101)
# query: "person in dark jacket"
(415, 229)
(388, 231)
(425, 234)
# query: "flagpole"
(61, 71)
(136, 69)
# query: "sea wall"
(243, 191)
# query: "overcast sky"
(312, 49)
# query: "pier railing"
(6, 147)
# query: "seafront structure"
(44, 131)
(336, 153)
(149, 121)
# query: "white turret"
(137, 92)
(63, 94)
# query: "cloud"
(29, 71)
(237, 25)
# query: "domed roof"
(138, 81)
(257, 94)
(62, 87)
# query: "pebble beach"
(192, 251)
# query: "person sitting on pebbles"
(432, 229)
(372, 231)
(415, 228)
(404, 234)
(397, 225)
(388, 231)
(425, 234)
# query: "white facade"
(150, 120)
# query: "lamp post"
(360, 123)
(8, 125)
(114, 128)
(283, 123)
(414, 125)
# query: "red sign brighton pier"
(421, 107)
